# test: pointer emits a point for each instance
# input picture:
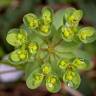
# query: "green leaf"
(30, 66)
(16, 37)
(71, 78)
(87, 34)
(35, 79)
(53, 84)
(58, 19)
(82, 54)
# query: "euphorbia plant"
(50, 48)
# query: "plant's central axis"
(51, 48)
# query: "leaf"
(67, 46)
(30, 66)
(58, 18)
(34, 80)
(53, 84)
(82, 54)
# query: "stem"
(71, 91)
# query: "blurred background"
(11, 14)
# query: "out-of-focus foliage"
(4, 3)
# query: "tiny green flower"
(34, 80)
(22, 54)
(33, 47)
(75, 17)
(16, 38)
(46, 69)
(53, 83)
(44, 29)
(37, 78)
(71, 78)
(68, 12)
(87, 34)
(19, 56)
(31, 21)
(67, 33)
(63, 63)
(80, 63)
(47, 15)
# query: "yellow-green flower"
(71, 78)
(35, 79)
(44, 29)
(16, 38)
(33, 47)
(63, 63)
(80, 63)
(47, 15)
(31, 21)
(46, 69)
(87, 34)
(75, 17)
(67, 33)
(53, 83)
(19, 56)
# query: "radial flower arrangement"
(49, 48)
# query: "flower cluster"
(41, 25)
(70, 29)
(51, 52)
